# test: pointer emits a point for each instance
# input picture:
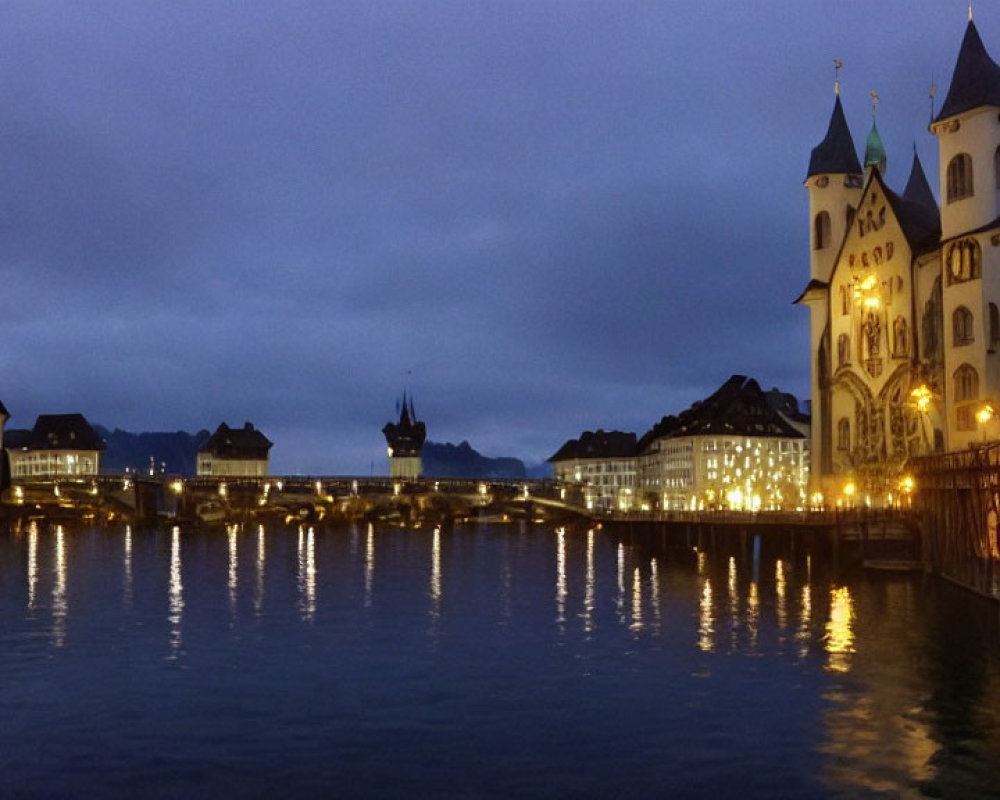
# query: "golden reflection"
(127, 558)
(839, 630)
(753, 614)
(369, 563)
(307, 573)
(436, 574)
(588, 595)
(654, 584)
(620, 602)
(258, 595)
(805, 621)
(32, 563)
(702, 563)
(706, 619)
(59, 605)
(781, 606)
(175, 594)
(234, 562)
(636, 601)
(734, 603)
(561, 576)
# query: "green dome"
(875, 150)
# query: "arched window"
(994, 326)
(961, 326)
(844, 434)
(965, 261)
(821, 232)
(843, 350)
(900, 340)
(959, 177)
(966, 384)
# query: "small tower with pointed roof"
(405, 442)
(875, 156)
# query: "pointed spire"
(874, 149)
(918, 189)
(836, 153)
(976, 79)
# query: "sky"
(537, 217)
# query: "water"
(488, 661)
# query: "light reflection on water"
(681, 655)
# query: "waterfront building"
(603, 463)
(404, 442)
(58, 445)
(4, 458)
(903, 297)
(234, 452)
(740, 448)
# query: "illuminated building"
(58, 445)
(603, 463)
(235, 451)
(903, 296)
(741, 448)
(404, 442)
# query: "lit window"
(966, 383)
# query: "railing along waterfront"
(958, 496)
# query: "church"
(903, 294)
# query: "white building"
(59, 445)
(903, 297)
(603, 464)
(235, 452)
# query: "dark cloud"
(555, 216)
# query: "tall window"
(821, 234)
(843, 350)
(966, 384)
(844, 434)
(959, 177)
(961, 325)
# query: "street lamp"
(984, 415)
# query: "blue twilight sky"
(556, 216)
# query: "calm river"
(487, 661)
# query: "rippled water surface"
(487, 661)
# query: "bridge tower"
(404, 442)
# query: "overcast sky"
(554, 216)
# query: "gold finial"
(837, 64)
(874, 102)
(970, 12)
(933, 92)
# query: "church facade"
(903, 293)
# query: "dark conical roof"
(836, 152)
(918, 190)
(976, 80)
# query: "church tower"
(405, 442)
(968, 133)
(834, 185)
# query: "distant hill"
(174, 453)
(461, 461)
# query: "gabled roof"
(738, 408)
(976, 79)
(597, 444)
(921, 224)
(836, 153)
(56, 432)
(236, 442)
